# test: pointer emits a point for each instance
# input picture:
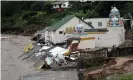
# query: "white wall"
(115, 36)
(66, 5)
(96, 20)
(73, 22)
(86, 44)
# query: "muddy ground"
(13, 68)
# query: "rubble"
(53, 55)
(115, 66)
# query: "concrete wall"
(95, 21)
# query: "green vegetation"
(127, 77)
(29, 16)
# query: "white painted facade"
(63, 5)
(56, 37)
(86, 44)
(115, 36)
(98, 22)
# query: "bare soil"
(115, 66)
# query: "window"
(60, 32)
(64, 4)
(99, 23)
(90, 23)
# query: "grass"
(127, 77)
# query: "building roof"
(59, 2)
(62, 22)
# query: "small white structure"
(83, 0)
(116, 32)
(61, 4)
(58, 31)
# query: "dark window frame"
(60, 32)
(99, 23)
(64, 4)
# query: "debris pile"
(52, 55)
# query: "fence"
(92, 54)
(124, 51)
(97, 56)
(88, 57)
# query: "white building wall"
(87, 44)
(73, 22)
(95, 21)
(115, 36)
(65, 5)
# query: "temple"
(114, 18)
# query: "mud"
(13, 68)
(115, 66)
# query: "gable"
(60, 23)
(63, 21)
(72, 23)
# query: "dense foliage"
(29, 16)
